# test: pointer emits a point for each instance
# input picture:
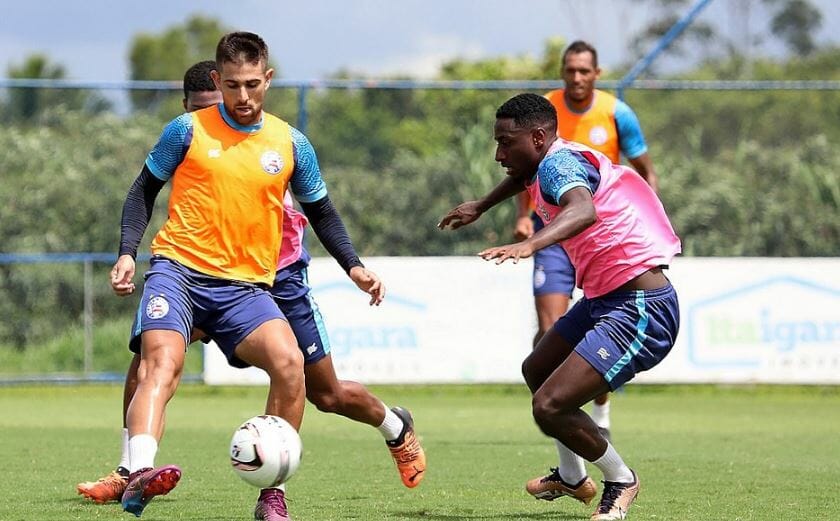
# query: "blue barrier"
(304, 86)
(537, 85)
(61, 258)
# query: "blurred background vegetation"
(742, 173)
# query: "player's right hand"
(524, 228)
(121, 275)
(461, 215)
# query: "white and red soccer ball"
(265, 451)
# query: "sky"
(317, 38)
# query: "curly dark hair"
(197, 78)
(529, 110)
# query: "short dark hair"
(529, 110)
(579, 46)
(233, 47)
(197, 78)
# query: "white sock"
(124, 459)
(278, 487)
(391, 426)
(142, 449)
(571, 470)
(601, 415)
(613, 466)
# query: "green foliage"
(168, 55)
(26, 103)
(62, 191)
(795, 22)
(63, 352)
(756, 201)
(741, 173)
(65, 180)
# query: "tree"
(795, 22)
(166, 56)
(699, 33)
(26, 103)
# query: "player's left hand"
(368, 282)
(461, 215)
(519, 250)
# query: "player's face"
(516, 148)
(243, 86)
(579, 75)
(197, 100)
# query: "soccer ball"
(265, 451)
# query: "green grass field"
(702, 453)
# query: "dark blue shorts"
(293, 296)
(177, 298)
(553, 271)
(621, 334)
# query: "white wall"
(461, 319)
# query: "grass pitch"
(702, 453)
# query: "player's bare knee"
(546, 408)
(159, 362)
(284, 363)
(531, 372)
(324, 401)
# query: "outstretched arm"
(577, 215)
(468, 212)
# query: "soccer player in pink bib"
(619, 240)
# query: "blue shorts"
(553, 271)
(177, 298)
(292, 295)
(621, 334)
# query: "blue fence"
(87, 259)
(303, 87)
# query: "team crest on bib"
(271, 162)
(157, 307)
(598, 135)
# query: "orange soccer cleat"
(407, 452)
(105, 489)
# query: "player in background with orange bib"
(600, 121)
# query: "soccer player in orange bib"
(291, 294)
(216, 255)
